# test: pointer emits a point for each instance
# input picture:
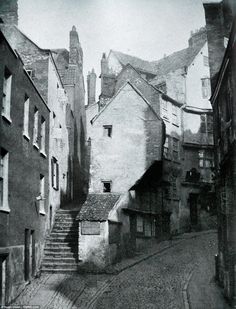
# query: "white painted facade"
(197, 71)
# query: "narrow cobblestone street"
(176, 277)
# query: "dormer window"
(107, 130)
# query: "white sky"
(144, 28)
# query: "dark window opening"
(106, 186)
(107, 130)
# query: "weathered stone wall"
(26, 164)
(124, 157)
(196, 71)
(93, 249)
(59, 139)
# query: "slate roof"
(98, 206)
(177, 60)
(139, 64)
(67, 73)
(117, 93)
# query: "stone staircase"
(61, 247)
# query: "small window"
(206, 125)
(206, 88)
(107, 130)
(26, 116)
(55, 173)
(36, 131)
(174, 188)
(175, 149)
(206, 61)
(175, 119)
(42, 195)
(147, 227)
(139, 224)
(4, 179)
(206, 159)
(6, 100)
(43, 132)
(106, 186)
(166, 148)
(164, 109)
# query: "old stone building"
(221, 31)
(178, 89)
(57, 77)
(24, 174)
(123, 147)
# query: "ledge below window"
(26, 136)
(6, 118)
(43, 154)
(5, 209)
(36, 146)
(43, 213)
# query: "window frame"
(175, 150)
(106, 182)
(4, 176)
(203, 157)
(166, 148)
(26, 117)
(36, 128)
(206, 89)
(55, 173)
(7, 94)
(107, 130)
(43, 136)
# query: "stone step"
(65, 224)
(60, 255)
(62, 265)
(59, 260)
(61, 245)
(58, 271)
(64, 217)
(59, 252)
(62, 237)
(65, 211)
(68, 240)
(63, 233)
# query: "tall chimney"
(9, 12)
(75, 47)
(91, 86)
(104, 64)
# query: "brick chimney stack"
(91, 86)
(197, 37)
(76, 54)
(9, 12)
(104, 64)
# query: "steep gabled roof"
(118, 92)
(139, 64)
(178, 60)
(97, 206)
